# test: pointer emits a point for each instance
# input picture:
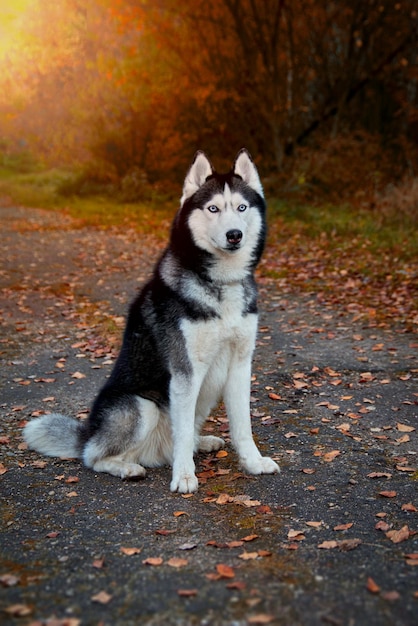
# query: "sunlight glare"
(11, 14)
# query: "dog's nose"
(234, 236)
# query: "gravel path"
(331, 540)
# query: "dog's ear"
(196, 176)
(245, 168)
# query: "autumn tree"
(114, 85)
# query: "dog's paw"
(262, 465)
(132, 470)
(117, 467)
(208, 443)
(184, 483)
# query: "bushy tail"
(54, 435)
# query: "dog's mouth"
(232, 247)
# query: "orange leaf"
(250, 537)
(388, 494)
(225, 571)
(409, 507)
(330, 456)
(372, 586)
(130, 551)
(187, 593)
(343, 526)
(328, 545)
(248, 556)
(153, 561)
(396, 536)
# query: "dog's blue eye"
(242, 207)
(213, 208)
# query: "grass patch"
(344, 227)
(42, 189)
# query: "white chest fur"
(231, 330)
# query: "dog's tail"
(54, 435)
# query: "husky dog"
(188, 342)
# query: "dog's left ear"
(196, 176)
(245, 168)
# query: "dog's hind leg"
(115, 446)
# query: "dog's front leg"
(237, 402)
(183, 398)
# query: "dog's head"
(225, 213)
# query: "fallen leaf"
(379, 475)
(102, 597)
(154, 561)
(261, 618)
(328, 545)
(225, 571)
(39, 464)
(221, 454)
(187, 593)
(330, 456)
(409, 507)
(411, 559)
(250, 537)
(78, 375)
(18, 610)
(314, 524)
(391, 596)
(9, 580)
(72, 479)
(296, 535)
(372, 586)
(264, 509)
(179, 513)
(404, 428)
(98, 563)
(343, 526)
(396, 536)
(248, 556)
(403, 439)
(130, 551)
(224, 498)
(388, 494)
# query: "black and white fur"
(188, 342)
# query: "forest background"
(104, 103)
(323, 94)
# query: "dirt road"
(331, 540)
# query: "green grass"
(345, 224)
(42, 189)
